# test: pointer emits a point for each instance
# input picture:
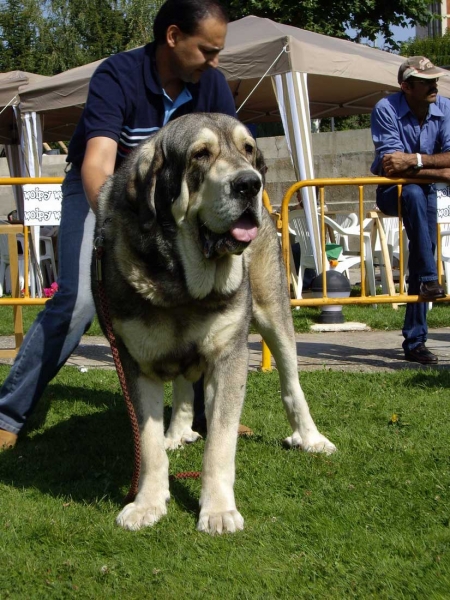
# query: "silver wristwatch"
(419, 164)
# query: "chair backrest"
(297, 222)
(445, 239)
(390, 226)
(345, 221)
(4, 249)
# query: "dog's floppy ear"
(170, 183)
(142, 173)
(260, 165)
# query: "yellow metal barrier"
(360, 182)
(16, 301)
(283, 224)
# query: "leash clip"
(98, 247)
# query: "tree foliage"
(19, 36)
(367, 18)
(437, 49)
(50, 36)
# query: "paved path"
(355, 351)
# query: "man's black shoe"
(422, 355)
(430, 290)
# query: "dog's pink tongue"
(244, 230)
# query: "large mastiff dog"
(191, 257)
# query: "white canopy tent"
(10, 122)
(274, 71)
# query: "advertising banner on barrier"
(42, 204)
(443, 202)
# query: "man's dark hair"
(186, 15)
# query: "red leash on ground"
(186, 475)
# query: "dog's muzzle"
(244, 191)
(233, 241)
(246, 186)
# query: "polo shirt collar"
(151, 77)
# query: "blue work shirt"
(396, 128)
(127, 103)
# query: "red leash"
(98, 246)
(186, 475)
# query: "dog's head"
(201, 172)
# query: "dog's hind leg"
(153, 495)
(180, 429)
(224, 396)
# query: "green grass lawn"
(371, 521)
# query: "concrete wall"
(337, 154)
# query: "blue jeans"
(57, 330)
(419, 212)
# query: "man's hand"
(399, 164)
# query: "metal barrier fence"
(25, 231)
(283, 225)
(321, 184)
(17, 300)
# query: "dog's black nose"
(246, 185)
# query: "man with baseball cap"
(418, 66)
(411, 133)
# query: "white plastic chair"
(445, 253)
(354, 232)
(47, 258)
(5, 280)
(297, 222)
(345, 221)
(390, 228)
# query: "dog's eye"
(248, 148)
(201, 154)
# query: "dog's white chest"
(167, 348)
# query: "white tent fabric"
(9, 98)
(292, 97)
(22, 137)
(25, 160)
(31, 142)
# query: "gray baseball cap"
(419, 66)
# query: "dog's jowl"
(191, 257)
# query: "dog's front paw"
(226, 522)
(188, 436)
(135, 516)
(314, 443)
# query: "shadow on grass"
(83, 457)
(441, 380)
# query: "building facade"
(436, 27)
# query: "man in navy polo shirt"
(131, 95)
